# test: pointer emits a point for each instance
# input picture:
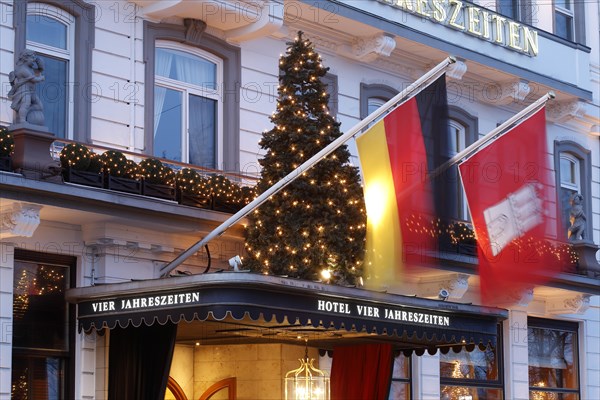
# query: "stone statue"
(577, 218)
(25, 101)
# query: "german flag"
(396, 155)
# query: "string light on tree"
(319, 220)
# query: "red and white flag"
(512, 200)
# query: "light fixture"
(306, 382)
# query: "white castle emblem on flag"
(514, 216)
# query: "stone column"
(516, 356)
(426, 376)
(7, 251)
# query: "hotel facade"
(82, 285)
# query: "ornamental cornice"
(447, 286)
(21, 220)
(368, 49)
(565, 110)
(457, 70)
(571, 303)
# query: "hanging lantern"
(306, 382)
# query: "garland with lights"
(76, 156)
(315, 227)
(189, 181)
(155, 172)
(114, 163)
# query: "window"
(62, 34)
(508, 8)
(191, 95)
(553, 359)
(50, 34)
(457, 143)
(569, 183)
(400, 387)
(462, 132)
(374, 96)
(517, 10)
(43, 328)
(187, 106)
(573, 165)
(331, 81)
(472, 373)
(563, 19)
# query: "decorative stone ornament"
(21, 220)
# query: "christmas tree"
(314, 228)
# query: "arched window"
(50, 33)
(573, 168)
(373, 96)
(62, 34)
(187, 105)
(192, 79)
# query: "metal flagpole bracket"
(397, 100)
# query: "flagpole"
(500, 129)
(235, 218)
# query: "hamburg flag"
(510, 194)
(395, 163)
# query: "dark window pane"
(53, 93)
(469, 393)
(167, 123)
(46, 30)
(39, 378)
(563, 3)
(476, 365)
(552, 358)
(401, 367)
(509, 8)
(399, 391)
(203, 131)
(39, 306)
(563, 26)
(543, 395)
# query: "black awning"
(281, 301)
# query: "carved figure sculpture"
(25, 101)
(576, 218)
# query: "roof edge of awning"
(273, 284)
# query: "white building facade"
(195, 82)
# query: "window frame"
(568, 326)
(84, 16)
(577, 15)
(67, 55)
(188, 89)
(575, 151)
(462, 208)
(375, 90)
(231, 58)
(331, 80)
(522, 10)
(407, 380)
(69, 355)
(497, 384)
(459, 117)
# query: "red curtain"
(362, 372)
